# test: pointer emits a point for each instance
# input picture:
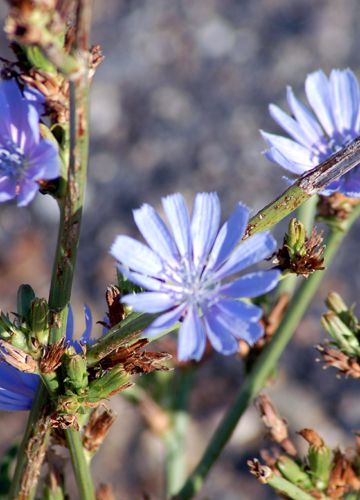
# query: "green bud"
(25, 295)
(105, 386)
(293, 472)
(39, 320)
(345, 339)
(295, 239)
(11, 333)
(320, 464)
(335, 303)
(37, 59)
(77, 376)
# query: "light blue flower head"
(17, 389)
(316, 135)
(25, 157)
(191, 273)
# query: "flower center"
(12, 160)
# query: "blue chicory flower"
(334, 123)
(192, 274)
(25, 157)
(17, 389)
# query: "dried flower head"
(299, 254)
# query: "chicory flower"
(25, 157)
(316, 134)
(192, 271)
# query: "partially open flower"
(316, 135)
(25, 157)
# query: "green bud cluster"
(295, 239)
(342, 325)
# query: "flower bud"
(345, 339)
(113, 381)
(293, 472)
(77, 376)
(39, 320)
(336, 303)
(295, 238)
(319, 457)
(12, 334)
(25, 295)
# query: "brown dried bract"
(17, 358)
(55, 88)
(51, 359)
(136, 361)
(343, 477)
(105, 492)
(64, 421)
(336, 205)
(275, 424)
(348, 366)
(303, 265)
(262, 472)
(100, 421)
(312, 438)
(116, 311)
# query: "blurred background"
(177, 106)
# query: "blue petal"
(44, 161)
(220, 337)
(253, 250)
(149, 302)
(204, 225)
(178, 217)
(229, 236)
(239, 318)
(7, 188)
(164, 321)
(136, 256)
(147, 282)
(156, 233)
(305, 118)
(275, 156)
(85, 338)
(27, 192)
(345, 99)
(69, 332)
(290, 125)
(192, 338)
(293, 151)
(317, 90)
(252, 285)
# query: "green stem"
(305, 187)
(66, 252)
(289, 489)
(80, 464)
(264, 365)
(175, 460)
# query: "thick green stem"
(65, 259)
(264, 365)
(174, 439)
(80, 464)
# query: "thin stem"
(264, 365)
(289, 489)
(307, 185)
(80, 464)
(174, 439)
